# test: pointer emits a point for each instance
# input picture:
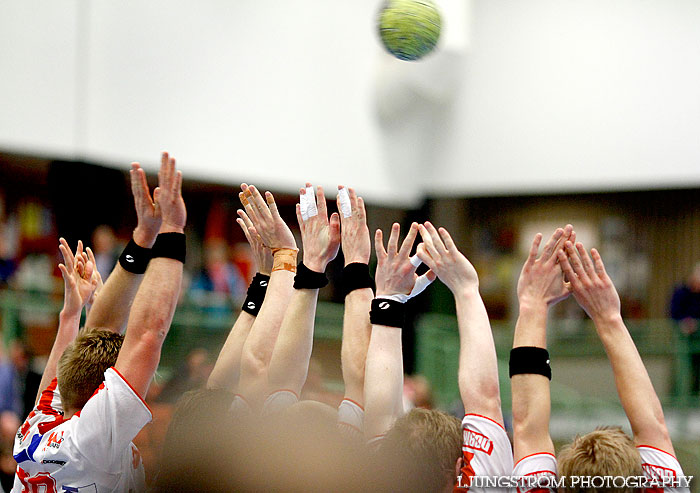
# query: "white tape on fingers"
(311, 209)
(415, 261)
(304, 207)
(344, 199)
(421, 283)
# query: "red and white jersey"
(91, 451)
(538, 465)
(351, 419)
(486, 451)
(658, 464)
(279, 401)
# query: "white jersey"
(540, 465)
(91, 451)
(486, 451)
(656, 464)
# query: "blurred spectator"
(191, 375)
(19, 383)
(685, 309)
(417, 392)
(8, 265)
(219, 280)
(106, 249)
(9, 423)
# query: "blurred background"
(529, 115)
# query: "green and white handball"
(409, 29)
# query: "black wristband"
(308, 279)
(170, 245)
(387, 312)
(134, 258)
(256, 294)
(356, 276)
(529, 360)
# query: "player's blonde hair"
(607, 451)
(82, 365)
(425, 444)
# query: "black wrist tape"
(170, 245)
(356, 276)
(256, 294)
(134, 258)
(530, 360)
(387, 312)
(308, 279)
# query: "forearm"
(260, 343)
(356, 337)
(530, 392)
(289, 364)
(68, 327)
(111, 308)
(149, 322)
(478, 365)
(227, 369)
(383, 380)
(634, 387)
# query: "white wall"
(539, 95)
(568, 95)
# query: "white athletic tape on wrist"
(307, 204)
(421, 283)
(415, 261)
(344, 199)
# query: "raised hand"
(320, 237)
(395, 272)
(542, 279)
(354, 232)
(438, 251)
(169, 205)
(149, 219)
(591, 285)
(96, 275)
(261, 254)
(79, 277)
(266, 218)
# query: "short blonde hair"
(607, 451)
(426, 445)
(82, 365)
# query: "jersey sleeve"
(662, 466)
(533, 468)
(109, 421)
(486, 451)
(351, 418)
(278, 401)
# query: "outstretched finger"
(568, 270)
(437, 241)
(598, 262)
(321, 202)
(534, 248)
(551, 244)
(393, 244)
(362, 213)
(424, 256)
(68, 257)
(79, 250)
(300, 218)
(272, 204)
(575, 261)
(428, 244)
(379, 244)
(244, 227)
(258, 203)
(586, 260)
(67, 277)
(447, 239)
(244, 217)
(410, 239)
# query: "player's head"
(603, 452)
(425, 446)
(82, 365)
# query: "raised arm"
(111, 308)
(358, 300)
(384, 368)
(156, 299)
(540, 286)
(478, 366)
(258, 346)
(80, 280)
(595, 292)
(320, 236)
(227, 369)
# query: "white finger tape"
(344, 199)
(421, 283)
(307, 204)
(415, 261)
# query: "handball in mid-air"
(409, 29)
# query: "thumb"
(156, 201)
